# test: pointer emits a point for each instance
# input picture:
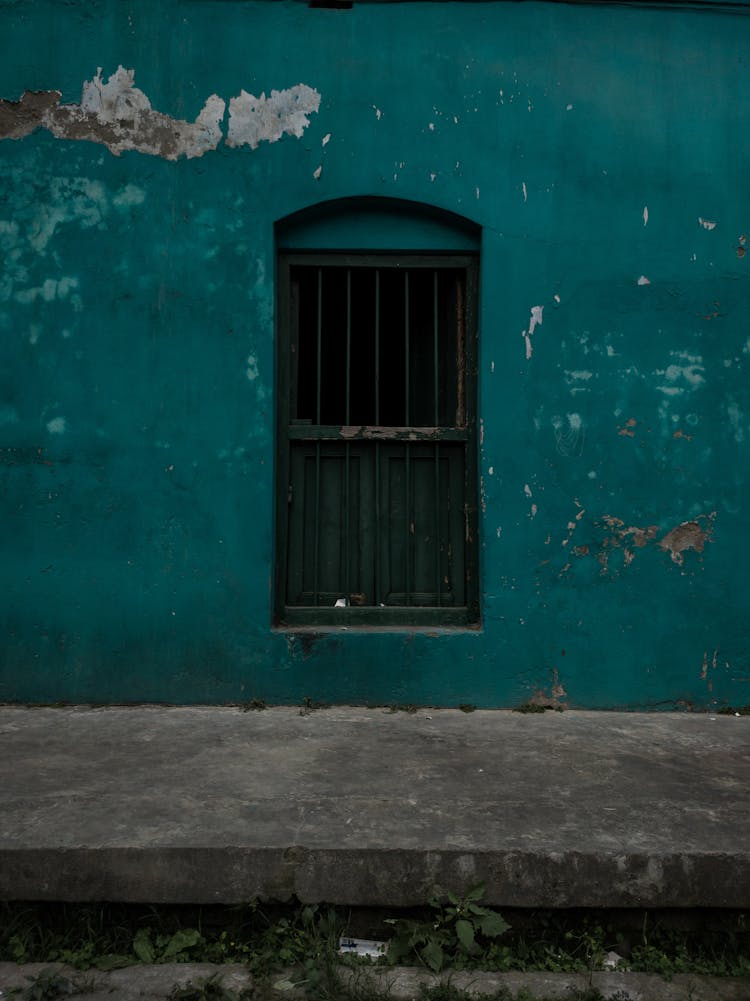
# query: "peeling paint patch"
(253, 120)
(57, 425)
(535, 320)
(688, 535)
(686, 369)
(554, 697)
(119, 115)
(705, 667)
(116, 114)
(130, 195)
(627, 428)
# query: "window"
(376, 440)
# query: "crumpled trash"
(362, 947)
(611, 960)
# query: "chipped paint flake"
(645, 215)
(706, 223)
(58, 425)
(253, 120)
(326, 139)
(317, 172)
(643, 280)
(523, 189)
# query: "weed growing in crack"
(458, 932)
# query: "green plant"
(456, 933)
(253, 705)
(49, 985)
(176, 948)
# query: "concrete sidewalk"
(368, 807)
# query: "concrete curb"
(154, 983)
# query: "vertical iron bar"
(407, 421)
(460, 355)
(407, 483)
(347, 526)
(436, 421)
(319, 346)
(316, 530)
(380, 531)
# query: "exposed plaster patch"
(57, 425)
(116, 114)
(687, 369)
(523, 188)
(645, 215)
(253, 120)
(575, 379)
(688, 535)
(317, 172)
(643, 280)
(535, 320)
(326, 139)
(130, 195)
(705, 667)
(706, 223)
(554, 697)
(119, 115)
(252, 368)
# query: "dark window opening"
(377, 464)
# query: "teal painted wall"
(137, 348)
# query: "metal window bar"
(436, 421)
(347, 574)
(376, 555)
(316, 530)
(408, 513)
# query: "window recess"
(376, 433)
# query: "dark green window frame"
(376, 440)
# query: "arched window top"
(375, 224)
